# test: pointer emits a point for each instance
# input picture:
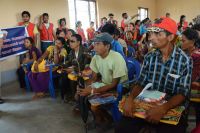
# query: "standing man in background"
(31, 28)
(47, 35)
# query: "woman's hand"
(36, 67)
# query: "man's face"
(111, 17)
(100, 48)
(104, 21)
(45, 19)
(159, 40)
(126, 16)
(25, 18)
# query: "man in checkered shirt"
(169, 70)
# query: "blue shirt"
(143, 29)
(172, 77)
(116, 46)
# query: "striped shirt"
(172, 77)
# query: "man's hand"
(84, 92)
(155, 114)
(129, 107)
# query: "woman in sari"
(39, 77)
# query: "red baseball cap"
(167, 24)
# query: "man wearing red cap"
(169, 70)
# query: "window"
(82, 10)
(143, 13)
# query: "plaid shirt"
(172, 77)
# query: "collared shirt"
(172, 77)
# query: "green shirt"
(111, 67)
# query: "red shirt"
(196, 65)
(90, 33)
(81, 33)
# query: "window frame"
(89, 11)
(147, 9)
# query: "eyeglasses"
(155, 29)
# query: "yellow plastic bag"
(41, 67)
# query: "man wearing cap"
(112, 68)
(169, 70)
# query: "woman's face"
(129, 35)
(63, 23)
(130, 27)
(69, 34)
(62, 34)
(27, 43)
(59, 44)
(74, 43)
(186, 43)
(25, 18)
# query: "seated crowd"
(167, 51)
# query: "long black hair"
(78, 38)
(193, 35)
(31, 40)
(181, 20)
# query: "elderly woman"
(39, 77)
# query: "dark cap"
(103, 37)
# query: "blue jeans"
(45, 45)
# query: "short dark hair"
(61, 39)
(45, 14)
(103, 18)
(123, 14)
(91, 22)
(30, 39)
(27, 13)
(109, 28)
(167, 13)
(110, 14)
(78, 38)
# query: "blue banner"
(13, 42)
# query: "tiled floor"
(22, 115)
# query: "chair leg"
(51, 85)
(51, 89)
(28, 88)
